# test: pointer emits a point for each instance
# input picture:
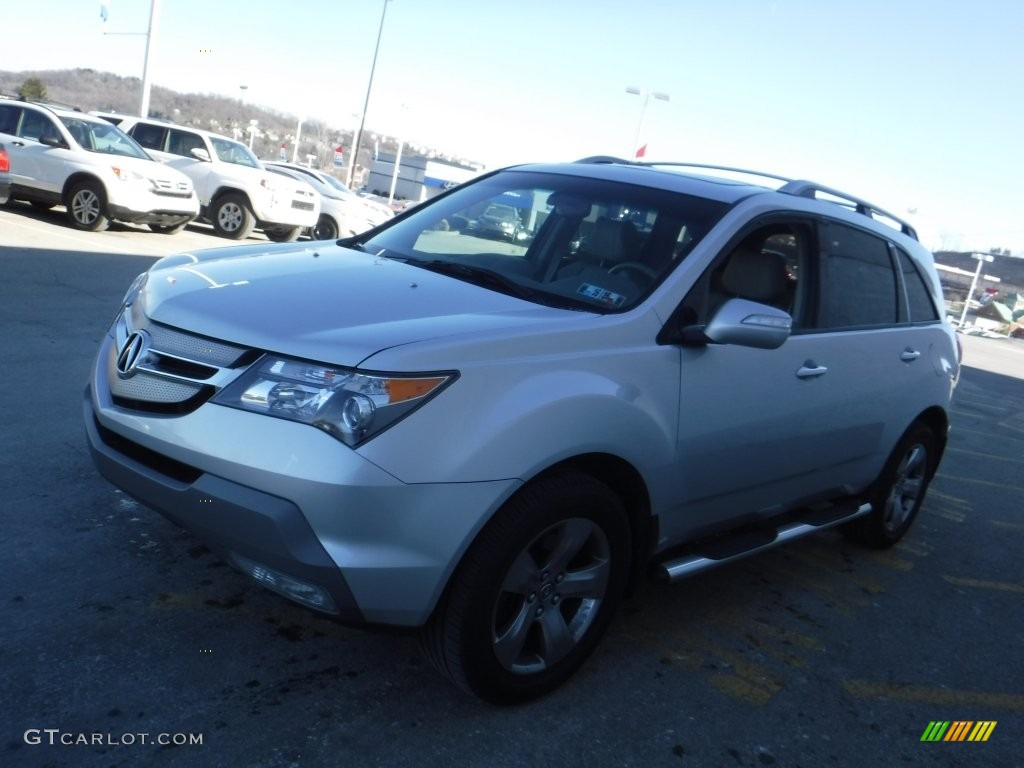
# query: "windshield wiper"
(487, 278)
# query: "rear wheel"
(899, 491)
(232, 217)
(282, 234)
(87, 207)
(535, 592)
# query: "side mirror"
(52, 140)
(200, 154)
(749, 324)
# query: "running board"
(729, 548)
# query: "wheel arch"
(937, 420)
(628, 485)
(77, 178)
(227, 190)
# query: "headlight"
(351, 405)
(124, 174)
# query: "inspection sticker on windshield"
(603, 295)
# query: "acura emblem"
(132, 353)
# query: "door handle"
(909, 355)
(18, 143)
(810, 369)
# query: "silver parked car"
(491, 440)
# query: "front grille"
(178, 372)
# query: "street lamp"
(366, 103)
(643, 111)
(295, 149)
(252, 131)
(241, 91)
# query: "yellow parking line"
(870, 689)
(985, 433)
(947, 514)
(1002, 586)
(977, 481)
(932, 493)
(988, 456)
(1010, 526)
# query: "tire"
(231, 217)
(325, 229)
(283, 235)
(534, 593)
(899, 491)
(87, 205)
(168, 229)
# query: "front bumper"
(287, 496)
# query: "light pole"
(398, 165)
(252, 131)
(660, 96)
(295, 149)
(982, 259)
(241, 93)
(366, 102)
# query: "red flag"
(641, 152)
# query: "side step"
(725, 549)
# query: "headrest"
(613, 241)
(755, 275)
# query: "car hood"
(323, 302)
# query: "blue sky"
(915, 105)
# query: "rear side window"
(8, 118)
(858, 284)
(919, 298)
(149, 136)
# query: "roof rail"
(803, 188)
(606, 160)
(56, 105)
(709, 167)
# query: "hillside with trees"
(88, 90)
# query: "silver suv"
(61, 156)
(492, 440)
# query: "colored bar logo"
(958, 730)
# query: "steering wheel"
(636, 265)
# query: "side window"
(34, 125)
(8, 118)
(149, 136)
(858, 284)
(919, 298)
(768, 265)
(182, 143)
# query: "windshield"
(560, 240)
(338, 185)
(232, 152)
(101, 136)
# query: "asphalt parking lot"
(121, 632)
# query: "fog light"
(304, 592)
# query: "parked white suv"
(236, 193)
(490, 439)
(61, 156)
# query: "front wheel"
(232, 217)
(535, 592)
(897, 495)
(87, 207)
